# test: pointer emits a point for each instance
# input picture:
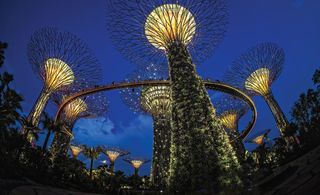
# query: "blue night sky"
(293, 24)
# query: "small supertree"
(88, 107)
(154, 100)
(61, 60)
(255, 71)
(113, 154)
(230, 110)
(75, 150)
(136, 163)
(259, 138)
(152, 31)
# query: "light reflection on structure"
(156, 100)
(168, 23)
(113, 154)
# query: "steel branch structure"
(113, 154)
(136, 163)
(75, 150)
(63, 62)
(230, 109)
(259, 137)
(255, 71)
(143, 30)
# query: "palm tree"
(92, 153)
(51, 126)
(30, 132)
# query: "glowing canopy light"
(156, 100)
(113, 155)
(258, 81)
(74, 108)
(136, 163)
(229, 119)
(75, 151)
(168, 23)
(57, 74)
(259, 140)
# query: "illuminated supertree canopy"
(259, 137)
(154, 100)
(152, 31)
(61, 60)
(143, 30)
(75, 150)
(230, 110)
(136, 163)
(88, 107)
(113, 154)
(255, 71)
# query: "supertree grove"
(113, 154)
(152, 31)
(136, 163)
(255, 71)
(91, 106)
(230, 110)
(61, 60)
(154, 100)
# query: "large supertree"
(61, 60)
(255, 71)
(91, 106)
(159, 30)
(113, 154)
(154, 100)
(136, 163)
(230, 110)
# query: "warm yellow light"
(229, 119)
(258, 81)
(168, 23)
(258, 140)
(156, 100)
(113, 155)
(75, 151)
(136, 163)
(74, 108)
(57, 74)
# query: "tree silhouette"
(92, 153)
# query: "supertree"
(255, 71)
(113, 154)
(75, 150)
(136, 163)
(230, 110)
(154, 100)
(61, 60)
(88, 107)
(259, 138)
(153, 31)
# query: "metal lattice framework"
(258, 138)
(136, 162)
(256, 69)
(63, 62)
(113, 153)
(149, 99)
(230, 109)
(142, 30)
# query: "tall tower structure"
(179, 32)
(255, 71)
(154, 100)
(61, 60)
(230, 110)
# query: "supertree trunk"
(35, 113)
(111, 167)
(161, 151)
(201, 155)
(61, 142)
(136, 172)
(281, 120)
